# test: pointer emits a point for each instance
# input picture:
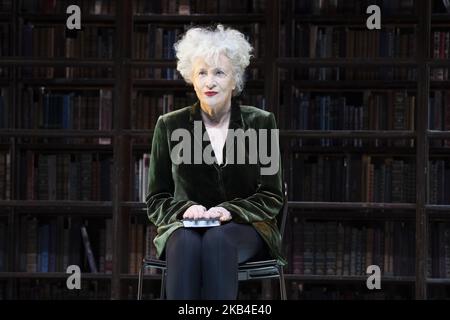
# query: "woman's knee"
(216, 238)
(184, 240)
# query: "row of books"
(439, 110)
(5, 5)
(66, 176)
(54, 243)
(441, 6)
(352, 178)
(349, 42)
(4, 112)
(349, 74)
(345, 248)
(440, 46)
(79, 110)
(5, 40)
(92, 7)
(140, 245)
(439, 250)
(56, 289)
(439, 181)
(5, 175)
(312, 247)
(332, 7)
(298, 290)
(54, 41)
(156, 42)
(51, 244)
(185, 7)
(141, 168)
(65, 73)
(366, 110)
(148, 107)
(3, 245)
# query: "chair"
(265, 269)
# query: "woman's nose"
(210, 81)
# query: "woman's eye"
(219, 72)
(202, 73)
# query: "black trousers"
(202, 263)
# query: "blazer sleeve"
(267, 200)
(162, 208)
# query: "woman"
(203, 262)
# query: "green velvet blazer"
(240, 188)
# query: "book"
(206, 223)
(88, 250)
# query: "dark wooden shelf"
(179, 84)
(438, 208)
(125, 276)
(215, 18)
(439, 151)
(59, 206)
(350, 85)
(439, 62)
(314, 134)
(57, 133)
(133, 204)
(56, 62)
(162, 84)
(71, 84)
(438, 134)
(437, 18)
(357, 279)
(138, 133)
(173, 63)
(347, 134)
(62, 18)
(441, 85)
(349, 20)
(63, 148)
(345, 62)
(339, 150)
(438, 281)
(5, 17)
(52, 275)
(350, 205)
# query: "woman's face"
(213, 84)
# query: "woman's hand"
(194, 212)
(218, 213)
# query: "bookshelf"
(82, 102)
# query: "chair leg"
(283, 294)
(140, 282)
(163, 284)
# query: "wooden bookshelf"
(128, 144)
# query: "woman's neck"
(217, 116)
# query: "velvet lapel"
(236, 122)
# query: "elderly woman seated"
(214, 160)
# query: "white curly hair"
(208, 44)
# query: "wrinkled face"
(213, 84)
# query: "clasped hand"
(200, 212)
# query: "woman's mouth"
(210, 93)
